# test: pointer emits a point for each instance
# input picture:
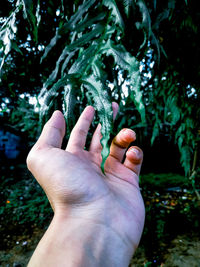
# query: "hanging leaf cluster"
(80, 65)
(85, 46)
(83, 41)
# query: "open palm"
(75, 184)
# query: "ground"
(171, 236)
(183, 251)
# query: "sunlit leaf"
(8, 31)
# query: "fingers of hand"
(134, 157)
(121, 142)
(53, 131)
(115, 108)
(51, 136)
(79, 133)
(95, 144)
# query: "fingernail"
(136, 151)
(129, 131)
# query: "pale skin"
(98, 219)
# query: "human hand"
(75, 185)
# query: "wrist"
(98, 244)
(79, 242)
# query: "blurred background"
(150, 68)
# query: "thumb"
(53, 131)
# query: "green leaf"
(129, 63)
(81, 10)
(3, 110)
(112, 5)
(154, 4)
(173, 109)
(146, 20)
(155, 133)
(90, 42)
(69, 26)
(69, 103)
(127, 5)
(32, 19)
(69, 51)
(8, 31)
(50, 45)
(87, 37)
(186, 158)
(47, 97)
(103, 105)
(145, 25)
(16, 48)
(88, 22)
(180, 141)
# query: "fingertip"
(115, 108)
(57, 114)
(89, 107)
(89, 112)
(128, 135)
(57, 120)
(121, 142)
(53, 131)
(115, 105)
(135, 155)
(133, 160)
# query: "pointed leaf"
(112, 5)
(129, 63)
(69, 103)
(104, 108)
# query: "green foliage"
(105, 114)
(163, 181)
(25, 204)
(91, 41)
(3, 110)
(68, 47)
(9, 28)
(25, 119)
(147, 264)
(7, 33)
(20, 201)
(169, 112)
(33, 19)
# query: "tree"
(75, 51)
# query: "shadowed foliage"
(73, 53)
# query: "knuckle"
(120, 142)
(124, 138)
